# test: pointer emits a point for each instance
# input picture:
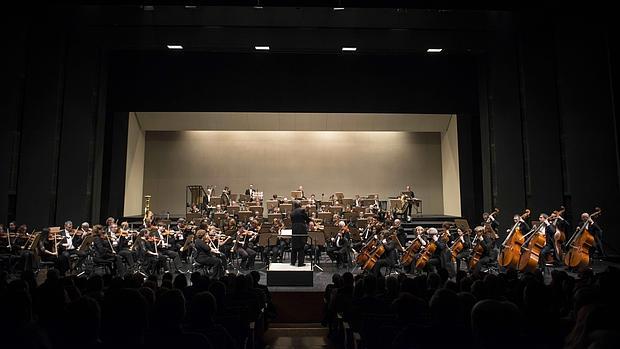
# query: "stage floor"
(322, 278)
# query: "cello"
(376, 254)
(426, 255)
(478, 249)
(458, 245)
(413, 249)
(511, 247)
(531, 254)
(578, 255)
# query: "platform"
(284, 274)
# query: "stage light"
(349, 49)
(338, 8)
(434, 50)
(191, 7)
(175, 47)
(261, 48)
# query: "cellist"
(595, 230)
(483, 241)
(390, 256)
(549, 230)
(465, 252)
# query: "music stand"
(233, 210)
(264, 239)
(245, 215)
(243, 197)
(254, 209)
(215, 200)
(339, 196)
(317, 238)
(286, 208)
(296, 194)
(335, 209)
(271, 204)
(361, 223)
(325, 216)
(462, 224)
(348, 202)
(368, 202)
(272, 216)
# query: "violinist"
(277, 251)
(549, 231)
(48, 251)
(166, 247)
(206, 253)
(595, 230)
(71, 241)
(104, 251)
(122, 243)
(340, 244)
(247, 254)
(152, 257)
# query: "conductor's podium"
(285, 274)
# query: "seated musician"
(48, 251)
(152, 257)
(218, 209)
(596, 231)
(72, 239)
(419, 235)
(207, 254)
(441, 256)
(366, 234)
(277, 251)
(122, 243)
(167, 246)
(104, 251)
(549, 231)
(390, 256)
(340, 244)
(484, 240)
(399, 231)
(358, 201)
(465, 252)
(522, 224)
(247, 254)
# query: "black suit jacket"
(300, 220)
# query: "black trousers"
(176, 260)
(382, 263)
(61, 262)
(127, 256)
(248, 256)
(297, 255)
(212, 262)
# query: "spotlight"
(174, 47)
(349, 49)
(261, 48)
(434, 50)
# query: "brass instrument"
(147, 209)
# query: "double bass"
(511, 247)
(531, 253)
(560, 235)
(578, 255)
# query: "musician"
(595, 230)
(104, 252)
(206, 201)
(490, 219)
(484, 240)
(301, 189)
(206, 255)
(122, 243)
(466, 251)
(300, 220)
(358, 201)
(312, 201)
(549, 230)
(48, 251)
(225, 197)
(247, 254)
(523, 226)
(365, 234)
(399, 231)
(71, 241)
(152, 257)
(408, 196)
(277, 251)
(166, 248)
(441, 256)
(250, 191)
(390, 256)
(108, 223)
(339, 245)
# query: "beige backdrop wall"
(279, 161)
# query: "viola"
(578, 256)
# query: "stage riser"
(290, 278)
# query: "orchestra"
(358, 237)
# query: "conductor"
(300, 220)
